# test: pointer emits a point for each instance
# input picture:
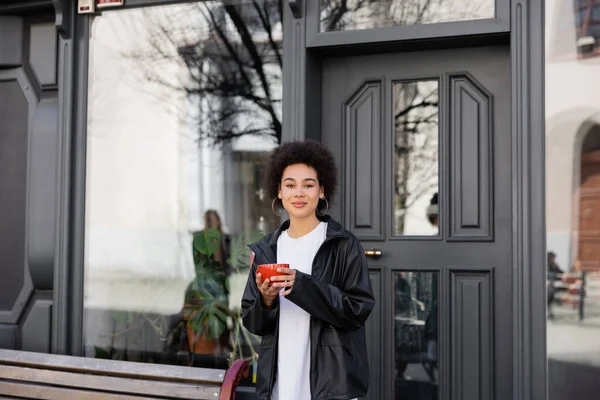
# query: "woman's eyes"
(291, 186)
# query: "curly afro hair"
(310, 153)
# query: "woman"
(221, 254)
(312, 317)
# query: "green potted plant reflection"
(206, 311)
(212, 327)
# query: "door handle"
(373, 253)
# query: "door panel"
(423, 144)
(29, 159)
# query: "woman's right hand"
(267, 291)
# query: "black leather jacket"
(339, 298)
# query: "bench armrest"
(240, 369)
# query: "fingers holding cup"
(285, 280)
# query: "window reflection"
(184, 108)
(416, 171)
(587, 21)
(572, 199)
(344, 15)
(416, 335)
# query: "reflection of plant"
(240, 253)
(206, 310)
(131, 323)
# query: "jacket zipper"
(312, 396)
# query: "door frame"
(521, 24)
(302, 118)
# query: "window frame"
(316, 39)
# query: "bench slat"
(114, 384)
(53, 393)
(111, 367)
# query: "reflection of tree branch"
(258, 63)
(337, 16)
(264, 18)
(232, 54)
(422, 104)
(399, 12)
(412, 126)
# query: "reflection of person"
(433, 211)
(553, 269)
(311, 318)
(402, 296)
(554, 272)
(213, 220)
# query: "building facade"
(133, 132)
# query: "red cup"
(270, 270)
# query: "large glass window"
(572, 199)
(184, 108)
(346, 15)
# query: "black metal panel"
(63, 312)
(36, 328)
(11, 42)
(363, 168)
(42, 194)
(8, 337)
(20, 7)
(69, 278)
(42, 53)
(471, 176)
(14, 114)
(528, 195)
(64, 12)
(471, 335)
(374, 339)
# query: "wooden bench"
(578, 292)
(26, 375)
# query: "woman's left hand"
(285, 280)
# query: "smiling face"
(300, 191)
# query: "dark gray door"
(424, 147)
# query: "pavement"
(573, 356)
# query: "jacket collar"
(334, 230)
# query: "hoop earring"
(322, 214)
(273, 207)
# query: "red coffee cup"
(270, 270)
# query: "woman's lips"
(298, 204)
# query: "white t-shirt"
(293, 358)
